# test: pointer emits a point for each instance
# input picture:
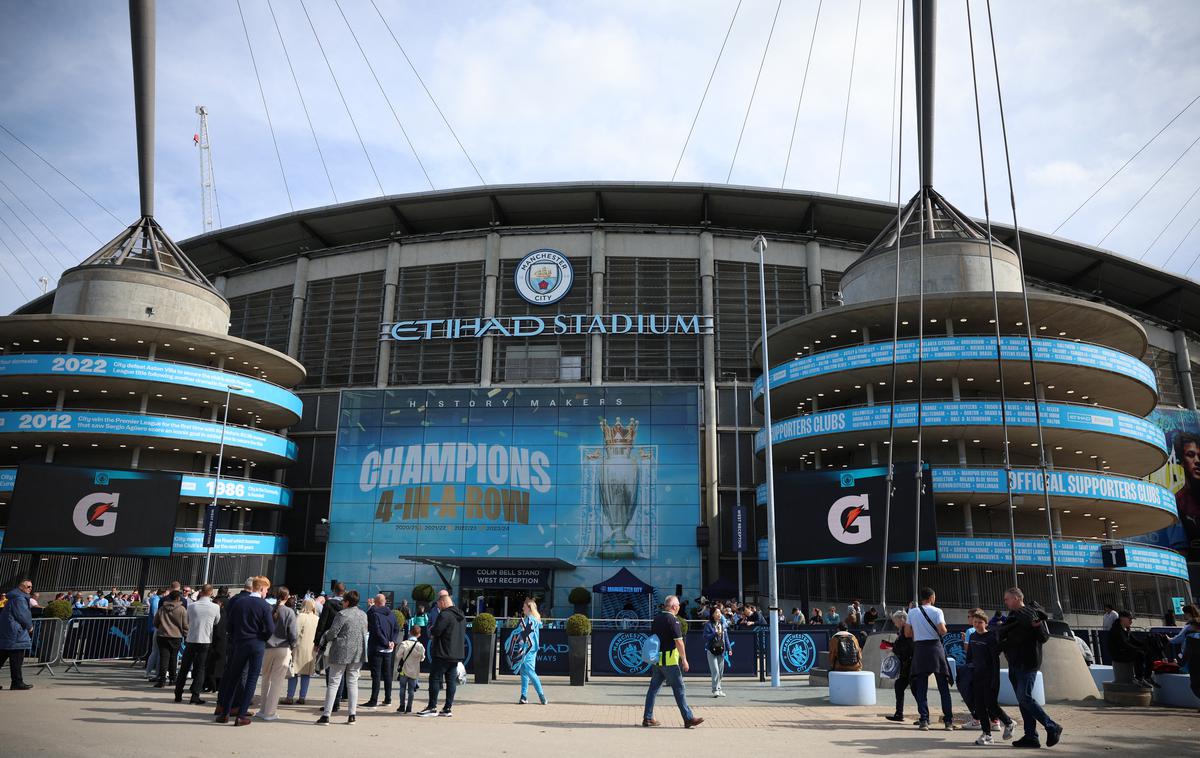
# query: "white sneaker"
(716, 694)
(973, 724)
(984, 739)
(720, 693)
(425, 713)
(1008, 730)
(268, 718)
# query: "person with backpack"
(1021, 636)
(845, 654)
(410, 653)
(669, 663)
(983, 661)
(926, 627)
(716, 647)
(526, 643)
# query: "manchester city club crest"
(625, 654)
(544, 277)
(797, 653)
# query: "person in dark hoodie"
(1021, 638)
(383, 633)
(1124, 648)
(983, 659)
(250, 626)
(170, 627)
(447, 646)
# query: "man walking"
(16, 624)
(202, 618)
(250, 626)
(671, 665)
(927, 626)
(383, 633)
(1021, 638)
(447, 646)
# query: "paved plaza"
(111, 710)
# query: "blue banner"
(118, 367)
(91, 423)
(201, 488)
(960, 349)
(226, 542)
(1061, 483)
(229, 542)
(585, 479)
(1074, 553)
(1083, 418)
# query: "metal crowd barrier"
(101, 638)
(46, 650)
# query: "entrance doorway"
(500, 602)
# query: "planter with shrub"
(579, 640)
(483, 637)
(581, 598)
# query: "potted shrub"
(579, 639)
(423, 593)
(400, 619)
(483, 637)
(581, 598)
(683, 624)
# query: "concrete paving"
(110, 710)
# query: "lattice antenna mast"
(208, 182)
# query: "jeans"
(15, 659)
(408, 693)
(716, 669)
(901, 685)
(336, 672)
(986, 705)
(673, 676)
(381, 672)
(245, 658)
(152, 659)
(439, 669)
(274, 671)
(195, 658)
(528, 671)
(1032, 714)
(168, 655)
(920, 688)
(303, 681)
(341, 691)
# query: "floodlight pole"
(212, 507)
(760, 243)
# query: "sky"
(594, 90)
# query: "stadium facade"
(527, 388)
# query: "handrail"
(148, 360)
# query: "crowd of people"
(748, 615)
(273, 642)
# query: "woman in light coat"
(302, 654)
(347, 644)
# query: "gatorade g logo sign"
(850, 507)
(849, 520)
(95, 515)
(80, 510)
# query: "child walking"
(410, 653)
(983, 658)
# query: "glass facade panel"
(263, 317)
(652, 286)
(1165, 374)
(448, 290)
(738, 314)
(548, 357)
(339, 340)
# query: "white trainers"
(973, 724)
(720, 693)
(1008, 730)
(984, 739)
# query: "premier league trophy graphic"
(620, 480)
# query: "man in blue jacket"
(250, 626)
(16, 624)
(383, 632)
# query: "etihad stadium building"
(524, 389)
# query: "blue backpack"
(650, 649)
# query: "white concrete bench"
(1008, 697)
(1175, 690)
(852, 687)
(1101, 674)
